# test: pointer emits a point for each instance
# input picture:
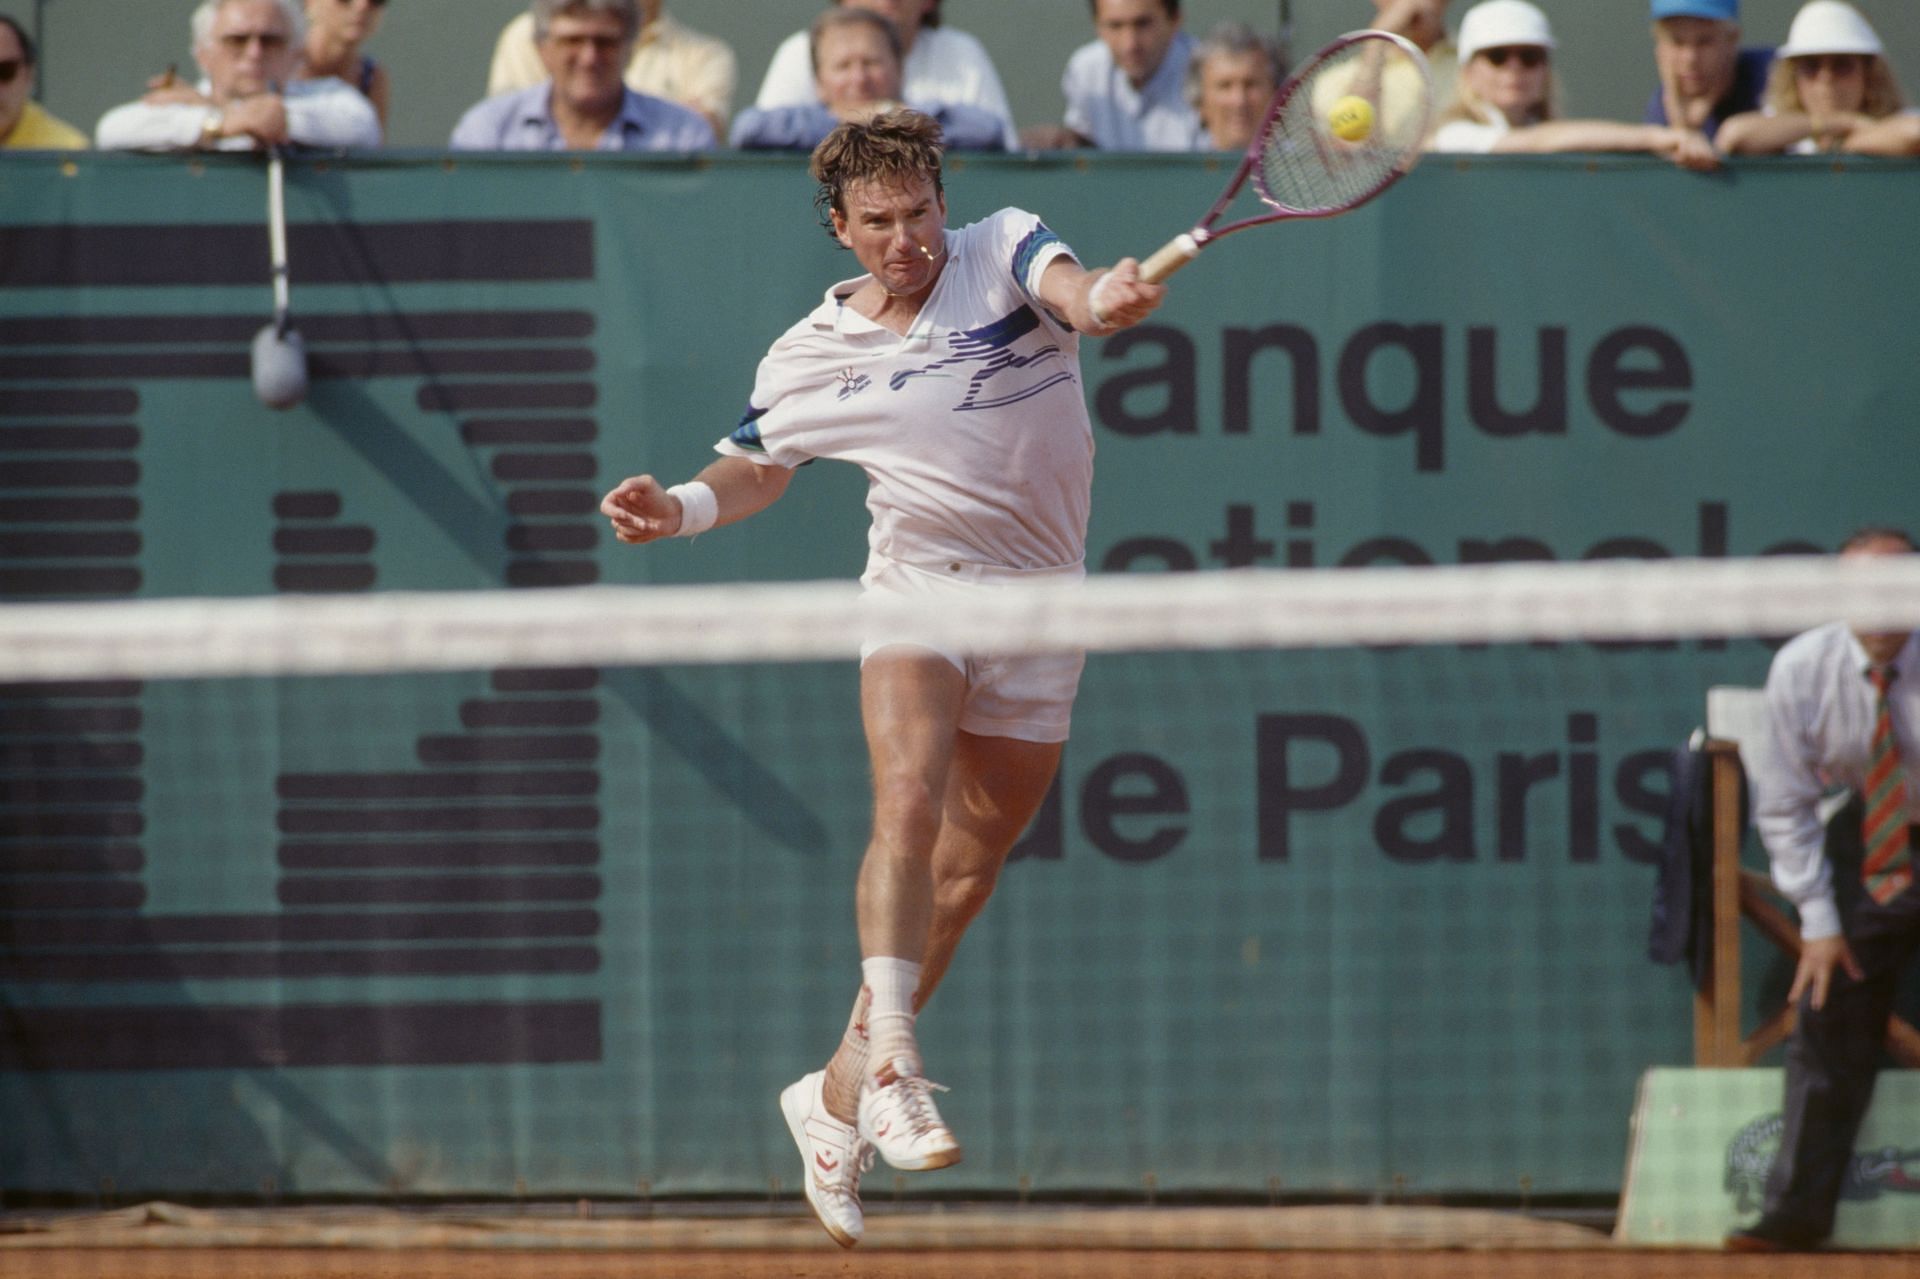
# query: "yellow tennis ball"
(1351, 119)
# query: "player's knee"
(965, 895)
(906, 813)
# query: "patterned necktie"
(1887, 868)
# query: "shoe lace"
(916, 1104)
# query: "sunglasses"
(267, 40)
(1529, 55)
(10, 69)
(1840, 64)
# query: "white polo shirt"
(972, 429)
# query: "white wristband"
(1094, 308)
(699, 508)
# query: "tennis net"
(1342, 889)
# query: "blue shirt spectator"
(803, 128)
(522, 120)
(1705, 76)
(582, 105)
(857, 57)
(1126, 91)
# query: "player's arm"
(1099, 302)
(643, 511)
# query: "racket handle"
(1170, 257)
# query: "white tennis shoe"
(897, 1115)
(835, 1157)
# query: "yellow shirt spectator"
(24, 124)
(40, 131)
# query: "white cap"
(1828, 26)
(1493, 24)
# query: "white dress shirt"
(944, 65)
(1822, 709)
(327, 112)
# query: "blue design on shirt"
(747, 434)
(990, 347)
(1029, 248)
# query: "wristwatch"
(211, 126)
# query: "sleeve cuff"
(1819, 918)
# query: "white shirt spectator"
(944, 65)
(1479, 136)
(1822, 708)
(1105, 108)
(327, 113)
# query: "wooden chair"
(1735, 715)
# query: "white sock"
(890, 1016)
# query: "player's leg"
(911, 700)
(994, 788)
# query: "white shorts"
(1028, 696)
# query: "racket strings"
(1306, 168)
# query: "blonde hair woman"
(1831, 89)
(1506, 99)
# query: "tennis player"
(950, 374)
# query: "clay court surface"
(158, 1241)
(1052, 1264)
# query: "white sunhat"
(1494, 24)
(1829, 26)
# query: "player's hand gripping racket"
(1341, 130)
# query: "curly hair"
(898, 145)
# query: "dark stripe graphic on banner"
(47, 931)
(201, 1038)
(415, 362)
(412, 326)
(205, 254)
(251, 965)
(463, 854)
(418, 890)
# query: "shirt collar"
(538, 112)
(1906, 660)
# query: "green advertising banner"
(1346, 922)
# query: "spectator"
(1424, 23)
(1830, 90)
(1506, 98)
(1844, 708)
(335, 31)
(582, 105)
(941, 65)
(1705, 76)
(1230, 82)
(1126, 91)
(24, 124)
(669, 61)
(247, 50)
(857, 58)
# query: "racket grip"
(1170, 257)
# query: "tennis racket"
(1341, 130)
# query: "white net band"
(1240, 609)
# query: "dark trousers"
(1835, 1051)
